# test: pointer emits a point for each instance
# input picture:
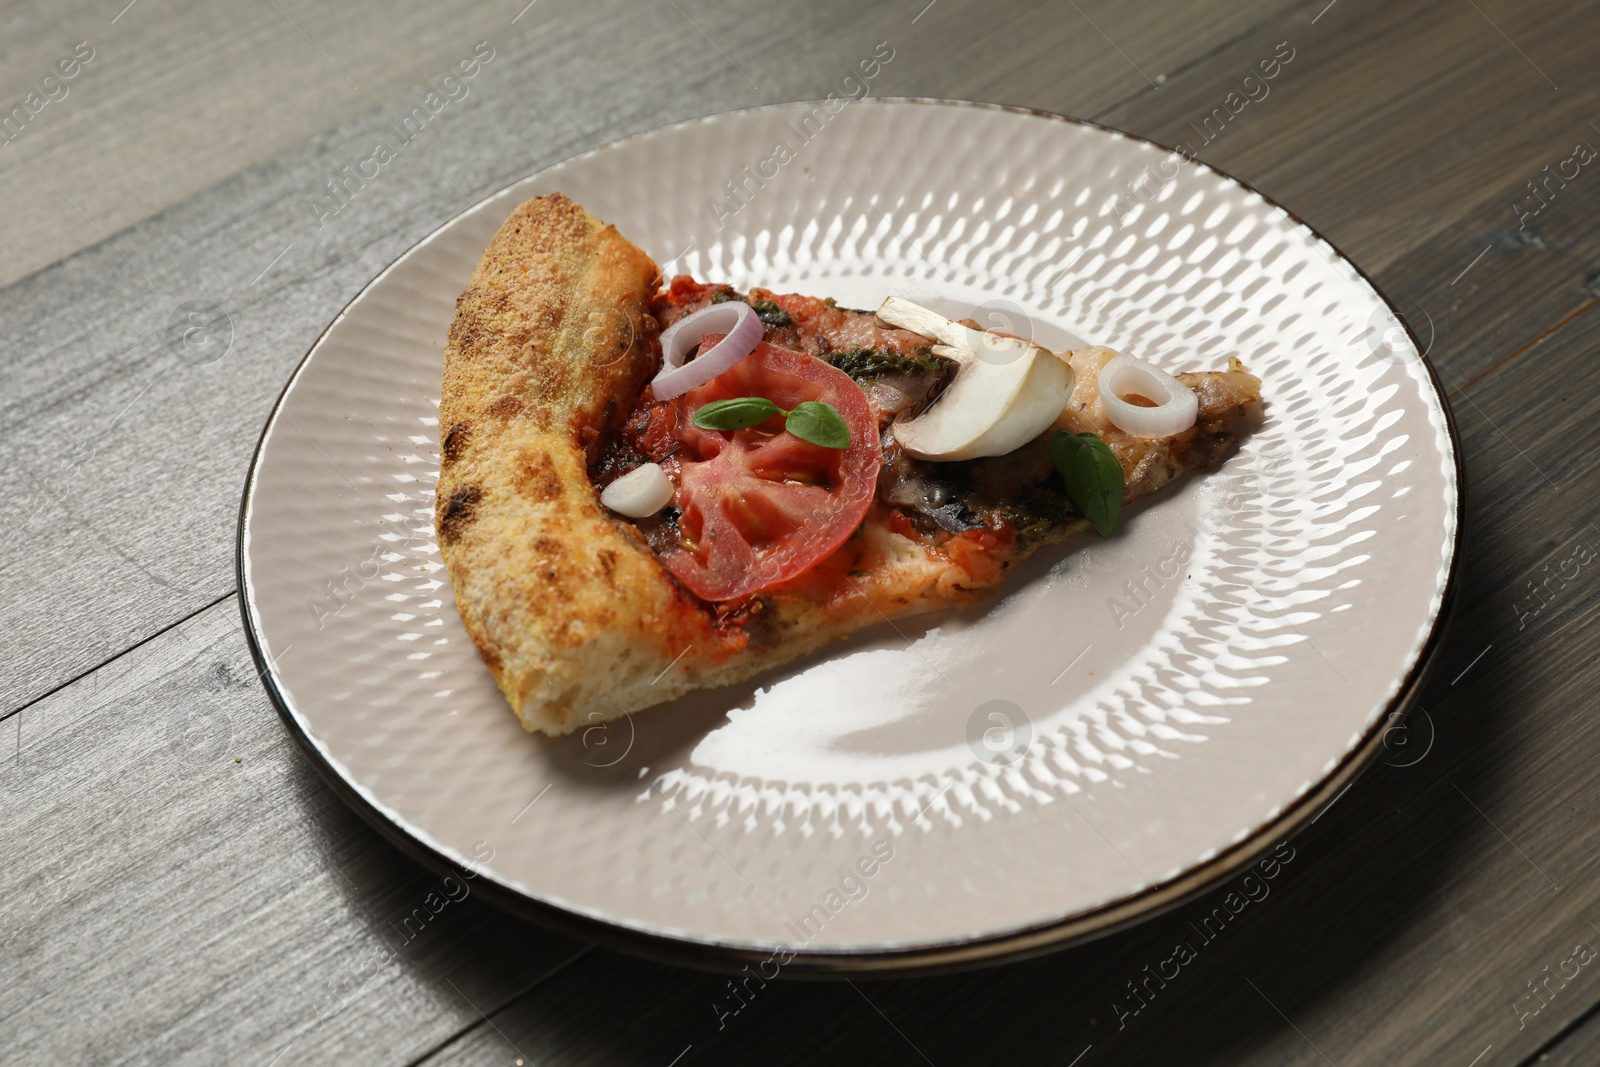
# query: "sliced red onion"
(742, 330)
(1176, 405)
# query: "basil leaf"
(819, 423)
(1093, 477)
(737, 413)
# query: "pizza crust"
(567, 610)
(567, 605)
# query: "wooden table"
(178, 885)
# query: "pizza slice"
(794, 481)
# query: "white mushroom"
(1006, 391)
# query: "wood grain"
(1579, 1047)
(179, 96)
(1406, 133)
(164, 904)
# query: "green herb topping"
(864, 364)
(812, 420)
(737, 413)
(819, 423)
(1093, 477)
(767, 311)
(771, 314)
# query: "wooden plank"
(164, 903)
(1411, 915)
(683, 1018)
(1406, 133)
(129, 460)
(176, 97)
(1580, 1047)
(1389, 939)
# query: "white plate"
(1130, 720)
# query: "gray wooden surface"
(177, 885)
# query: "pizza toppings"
(643, 491)
(834, 422)
(847, 338)
(1145, 400)
(1093, 477)
(758, 504)
(811, 420)
(1006, 392)
(740, 330)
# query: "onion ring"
(1176, 406)
(737, 321)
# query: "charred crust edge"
(459, 513)
(455, 442)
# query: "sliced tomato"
(760, 506)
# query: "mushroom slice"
(1006, 391)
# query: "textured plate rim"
(945, 956)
